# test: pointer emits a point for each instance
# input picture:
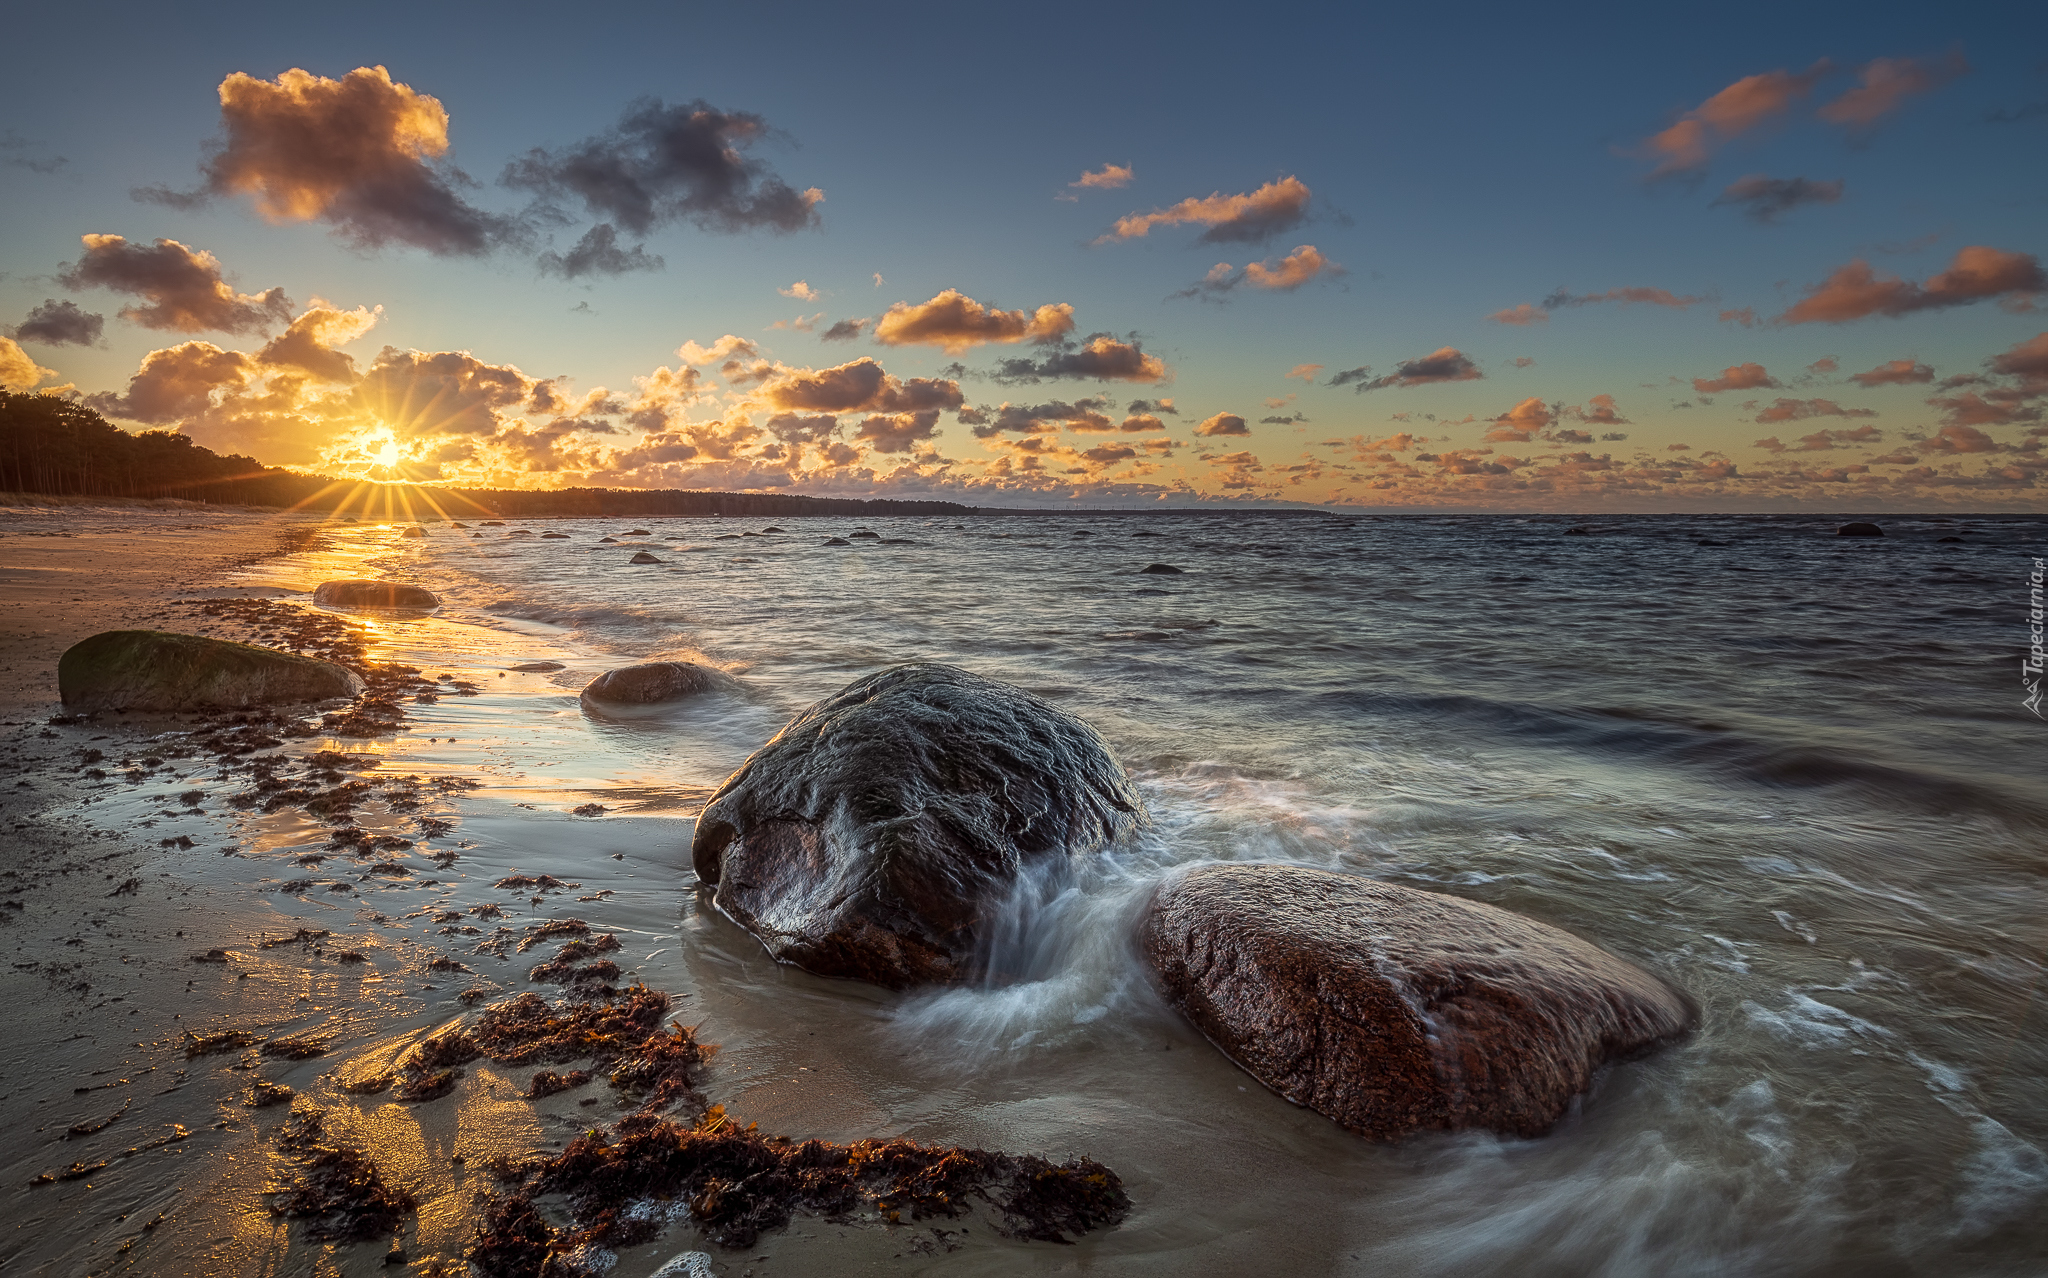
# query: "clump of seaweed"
(336, 1189)
(214, 1044)
(737, 1183)
(551, 929)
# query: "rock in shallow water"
(649, 684)
(153, 670)
(1394, 1011)
(374, 594)
(1859, 530)
(881, 834)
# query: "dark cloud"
(1283, 274)
(361, 153)
(308, 345)
(183, 285)
(1767, 198)
(1625, 296)
(2029, 111)
(1282, 421)
(176, 383)
(1152, 406)
(57, 323)
(1102, 358)
(1795, 410)
(1446, 364)
(598, 253)
(844, 330)
(1035, 419)
(17, 153)
(859, 386)
(665, 164)
(898, 432)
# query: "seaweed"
(214, 1044)
(336, 1189)
(547, 1082)
(550, 929)
(738, 1184)
(261, 1094)
(295, 1049)
(428, 1086)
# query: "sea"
(1793, 773)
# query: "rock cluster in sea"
(884, 833)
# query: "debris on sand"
(336, 1189)
(736, 1184)
(214, 1044)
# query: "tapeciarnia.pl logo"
(2030, 665)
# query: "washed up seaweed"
(336, 1188)
(736, 1184)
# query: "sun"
(387, 453)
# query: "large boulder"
(649, 684)
(1394, 1011)
(882, 833)
(153, 670)
(374, 594)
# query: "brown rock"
(374, 594)
(153, 670)
(882, 833)
(1394, 1011)
(654, 682)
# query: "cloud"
(2028, 359)
(1825, 364)
(1223, 424)
(1745, 317)
(1110, 454)
(183, 285)
(665, 164)
(844, 330)
(800, 323)
(1083, 415)
(598, 253)
(1232, 219)
(1525, 315)
(1686, 146)
(177, 382)
(361, 153)
(1600, 411)
(1285, 274)
(1887, 83)
(1854, 292)
(1794, 410)
(1108, 177)
(725, 349)
(898, 432)
(1101, 358)
(801, 291)
(308, 345)
(1524, 361)
(1734, 378)
(1522, 422)
(16, 149)
(1306, 372)
(858, 386)
(1277, 420)
(1995, 409)
(1152, 406)
(1521, 314)
(56, 323)
(1897, 372)
(1137, 422)
(1767, 198)
(17, 370)
(954, 322)
(1957, 438)
(1446, 364)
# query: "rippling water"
(1792, 773)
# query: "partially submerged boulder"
(374, 594)
(1859, 530)
(645, 558)
(154, 670)
(881, 834)
(1394, 1011)
(649, 684)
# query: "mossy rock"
(153, 670)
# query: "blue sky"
(1460, 163)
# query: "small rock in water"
(374, 594)
(414, 531)
(607, 541)
(638, 532)
(1162, 569)
(837, 541)
(1941, 539)
(537, 667)
(1578, 532)
(642, 557)
(1394, 1011)
(1708, 541)
(771, 529)
(656, 681)
(554, 536)
(864, 534)
(1859, 530)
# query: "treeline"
(60, 447)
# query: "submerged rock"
(1394, 1011)
(648, 684)
(837, 541)
(865, 535)
(153, 670)
(642, 557)
(374, 594)
(882, 833)
(1859, 530)
(537, 667)
(414, 531)
(1162, 569)
(554, 536)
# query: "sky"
(1512, 258)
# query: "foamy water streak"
(1790, 773)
